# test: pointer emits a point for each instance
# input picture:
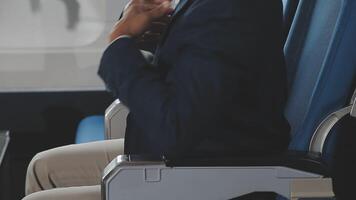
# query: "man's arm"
(176, 109)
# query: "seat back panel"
(322, 55)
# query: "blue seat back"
(321, 58)
(91, 129)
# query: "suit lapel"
(179, 9)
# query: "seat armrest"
(304, 161)
(298, 160)
(145, 177)
(115, 120)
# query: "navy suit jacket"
(217, 85)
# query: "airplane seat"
(318, 52)
(92, 128)
(321, 62)
(89, 128)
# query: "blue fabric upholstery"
(321, 61)
(90, 129)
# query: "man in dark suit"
(217, 85)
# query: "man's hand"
(139, 16)
(153, 34)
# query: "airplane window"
(50, 23)
(54, 44)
